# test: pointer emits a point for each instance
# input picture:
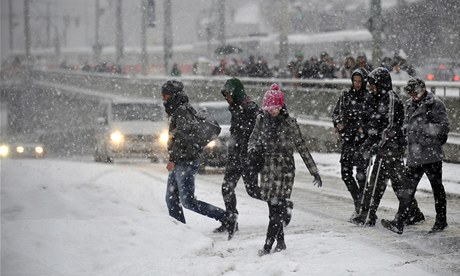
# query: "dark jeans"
(181, 189)
(413, 174)
(276, 213)
(389, 167)
(233, 172)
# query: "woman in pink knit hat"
(277, 134)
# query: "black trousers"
(276, 213)
(413, 174)
(385, 168)
(355, 185)
(235, 170)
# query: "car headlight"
(4, 150)
(39, 150)
(164, 137)
(212, 144)
(20, 149)
(116, 137)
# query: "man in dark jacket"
(244, 112)
(427, 127)
(349, 119)
(183, 160)
(386, 140)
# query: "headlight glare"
(20, 149)
(4, 150)
(164, 137)
(39, 150)
(116, 137)
(212, 144)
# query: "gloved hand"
(317, 181)
(374, 149)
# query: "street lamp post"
(376, 31)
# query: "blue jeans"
(181, 189)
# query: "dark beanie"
(172, 87)
(235, 89)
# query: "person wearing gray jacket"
(427, 126)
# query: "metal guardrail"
(440, 88)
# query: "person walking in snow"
(278, 134)
(387, 141)
(427, 127)
(244, 112)
(349, 119)
(183, 160)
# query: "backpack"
(204, 129)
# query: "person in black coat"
(184, 160)
(427, 127)
(244, 112)
(349, 119)
(386, 141)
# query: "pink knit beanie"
(274, 98)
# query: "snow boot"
(419, 217)
(438, 227)
(222, 229)
(392, 225)
(230, 223)
(280, 246)
(288, 212)
(264, 251)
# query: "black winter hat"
(172, 87)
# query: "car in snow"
(130, 128)
(440, 70)
(21, 148)
(215, 153)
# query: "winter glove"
(374, 149)
(317, 181)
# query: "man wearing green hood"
(244, 112)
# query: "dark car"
(215, 153)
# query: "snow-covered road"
(76, 217)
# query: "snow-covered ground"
(75, 217)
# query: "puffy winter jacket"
(385, 124)
(350, 111)
(426, 123)
(179, 147)
(242, 123)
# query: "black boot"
(230, 223)
(288, 212)
(393, 225)
(438, 226)
(222, 228)
(418, 217)
(264, 251)
(280, 246)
